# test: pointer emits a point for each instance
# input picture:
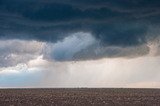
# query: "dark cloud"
(96, 52)
(120, 23)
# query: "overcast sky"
(80, 43)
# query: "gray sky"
(72, 43)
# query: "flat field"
(80, 97)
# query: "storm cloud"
(79, 43)
(112, 23)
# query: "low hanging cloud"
(13, 52)
(84, 46)
(76, 47)
(67, 48)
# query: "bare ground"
(80, 97)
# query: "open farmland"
(79, 97)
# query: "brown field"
(80, 97)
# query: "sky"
(80, 43)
